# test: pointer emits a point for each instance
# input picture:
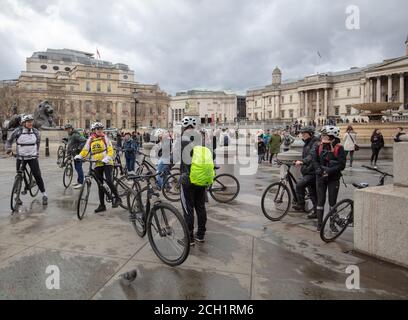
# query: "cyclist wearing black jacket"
(192, 196)
(308, 172)
(329, 160)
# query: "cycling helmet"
(97, 125)
(331, 131)
(68, 126)
(160, 132)
(27, 117)
(204, 131)
(189, 121)
(308, 129)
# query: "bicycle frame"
(92, 174)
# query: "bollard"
(47, 147)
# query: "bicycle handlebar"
(373, 169)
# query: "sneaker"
(199, 239)
(116, 202)
(299, 207)
(192, 243)
(77, 186)
(101, 208)
(45, 201)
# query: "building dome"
(276, 76)
(278, 71)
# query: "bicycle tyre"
(347, 202)
(60, 155)
(285, 209)
(172, 187)
(83, 199)
(33, 185)
(216, 197)
(67, 176)
(185, 241)
(15, 193)
(137, 212)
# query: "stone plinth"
(401, 169)
(288, 158)
(381, 223)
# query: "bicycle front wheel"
(276, 201)
(337, 220)
(172, 187)
(83, 199)
(15, 193)
(60, 156)
(33, 187)
(137, 211)
(68, 174)
(225, 188)
(168, 234)
(122, 188)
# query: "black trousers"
(309, 182)
(351, 156)
(35, 169)
(323, 185)
(375, 153)
(193, 197)
(108, 170)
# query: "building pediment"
(389, 67)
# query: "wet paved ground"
(245, 256)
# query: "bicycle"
(165, 226)
(24, 174)
(225, 188)
(277, 198)
(118, 166)
(341, 216)
(68, 172)
(83, 197)
(62, 150)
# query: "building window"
(336, 110)
(88, 86)
(87, 124)
(98, 75)
(98, 108)
(71, 88)
(348, 92)
(283, 114)
(98, 87)
(124, 124)
(109, 76)
(88, 75)
(270, 114)
(256, 116)
(109, 108)
(270, 100)
(290, 113)
(256, 103)
(56, 68)
(42, 57)
(109, 87)
(249, 115)
(291, 99)
(125, 77)
(348, 110)
(151, 123)
(87, 107)
(108, 123)
(72, 106)
(283, 99)
(336, 93)
(67, 69)
(44, 67)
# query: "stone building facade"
(212, 106)
(83, 90)
(331, 95)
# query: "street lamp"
(136, 97)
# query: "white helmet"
(159, 132)
(27, 117)
(204, 131)
(189, 121)
(97, 125)
(331, 131)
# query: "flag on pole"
(97, 53)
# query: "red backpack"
(335, 151)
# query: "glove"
(78, 157)
(106, 160)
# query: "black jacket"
(328, 162)
(377, 141)
(189, 140)
(75, 143)
(307, 158)
(398, 136)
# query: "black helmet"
(308, 129)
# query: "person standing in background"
(377, 143)
(350, 138)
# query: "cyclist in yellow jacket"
(100, 149)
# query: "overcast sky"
(212, 44)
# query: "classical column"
(370, 90)
(378, 89)
(326, 104)
(317, 104)
(362, 93)
(402, 89)
(306, 106)
(389, 88)
(300, 103)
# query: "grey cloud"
(231, 44)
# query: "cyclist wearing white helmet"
(100, 149)
(329, 160)
(192, 196)
(28, 139)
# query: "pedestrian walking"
(261, 149)
(274, 145)
(349, 143)
(377, 143)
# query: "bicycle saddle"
(361, 185)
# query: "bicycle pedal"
(24, 192)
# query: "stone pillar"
(389, 88)
(326, 103)
(300, 104)
(306, 106)
(317, 104)
(402, 89)
(370, 91)
(378, 98)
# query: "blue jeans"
(130, 163)
(162, 167)
(80, 171)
